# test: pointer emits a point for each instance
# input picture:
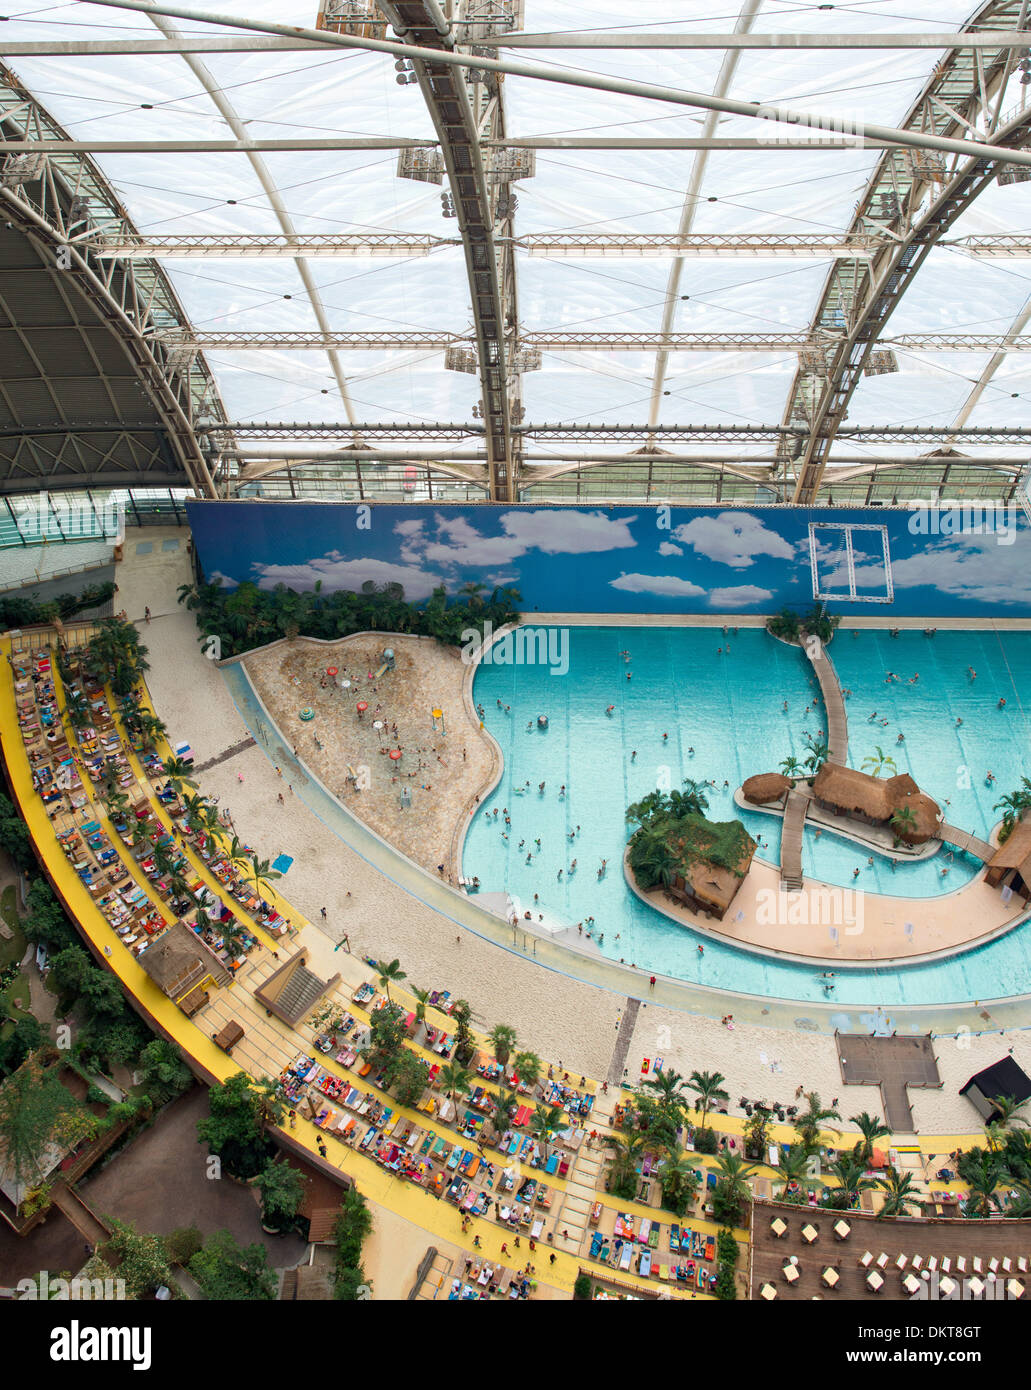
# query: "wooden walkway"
(833, 704)
(963, 840)
(82, 1217)
(791, 841)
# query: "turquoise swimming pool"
(710, 706)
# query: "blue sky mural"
(633, 559)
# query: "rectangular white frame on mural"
(848, 527)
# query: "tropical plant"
(527, 1067)
(876, 762)
(387, 971)
(983, 1171)
(871, 1128)
(408, 1075)
(454, 1079)
(261, 873)
(809, 1124)
(732, 1191)
(461, 1012)
(505, 1106)
(678, 1180)
(791, 767)
(708, 1087)
(282, 1192)
(422, 1000)
(503, 1039)
(818, 755)
(546, 1120)
(627, 1150)
(849, 1173)
(163, 1071)
(178, 773)
(899, 1194)
(903, 823)
(353, 1224)
(794, 1167)
(228, 1272)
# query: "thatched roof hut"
(1010, 865)
(702, 883)
(178, 961)
(848, 792)
(766, 787)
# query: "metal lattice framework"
(51, 198)
(944, 154)
(915, 197)
(464, 112)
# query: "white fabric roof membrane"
(345, 93)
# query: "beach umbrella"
(363, 705)
(395, 755)
(331, 670)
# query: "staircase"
(791, 841)
(301, 993)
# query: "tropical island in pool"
(700, 863)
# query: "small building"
(1005, 1078)
(765, 788)
(855, 795)
(700, 882)
(1010, 865)
(182, 966)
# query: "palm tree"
(1018, 1204)
(794, 1166)
(1012, 805)
(261, 873)
(527, 1066)
(269, 1104)
(387, 971)
(622, 1172)
(808, 1125)
(877, 761)
(849, 1173)
(544, 1120)
(983, 1171)
(117, 805)
(903, 822)
(505, 1105)
(707, 1086)
(651, 857)
(733, 1182)
(454, 1077)
(1007, 1112)
(670, 1101)
(236, 853)
(473, 591)
(679, 1181)
(503, 1039)
(791, 767)
(178, 773)
(692, 799)
(818, 754)
(900, 1195)
(194, 807)
(872, 1129)
(422, 999)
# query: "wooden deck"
(791, 840)
(962, 839)
(833, 703)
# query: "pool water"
(690, 709)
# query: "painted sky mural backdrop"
(633, 559)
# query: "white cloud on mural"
(664, 585)
(743, 596)
(668, 548)
(981, 570)
(734, 539)
(338, 573)
(458, 544)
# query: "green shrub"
(705, 1141)
(182, 1244)
(583, 1288)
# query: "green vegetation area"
(247, 616)
(19, 611)
(673, 834)
(792, 626)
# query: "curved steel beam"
(916, 199)
(228, 113)
(698, 166)
(51, 209)
(421, 26)
(1007, 345)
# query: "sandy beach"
(561, 1018)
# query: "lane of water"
(723, 719)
